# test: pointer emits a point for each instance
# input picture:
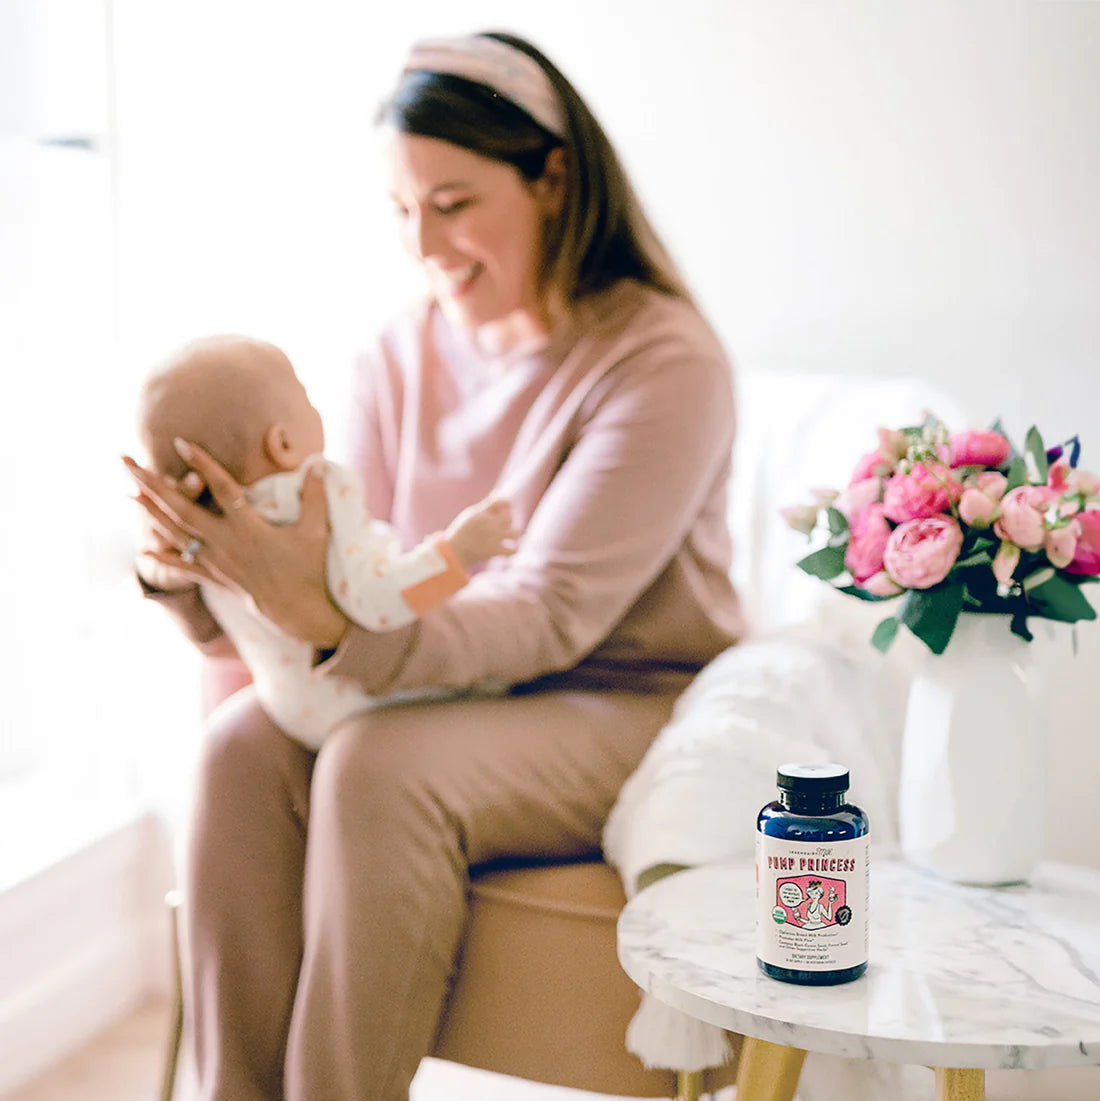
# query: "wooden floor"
(122, 1065)
(125, 1065)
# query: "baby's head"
(237, 398)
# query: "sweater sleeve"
(650, 441)
(194, 619)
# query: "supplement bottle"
(812, 879)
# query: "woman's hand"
(280, 567)
(153, 548)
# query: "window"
(83, 654)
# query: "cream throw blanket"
(694, 799)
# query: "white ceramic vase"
(972, 765)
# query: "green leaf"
(1034, 580)
(826, 563)
(838, 522)
(1019, 627)
(1059, 599)
(931, 614)
(863, 594)
(885, 633)
(979, 558)
(1034, 447)
(1017, 474)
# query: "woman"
(560, 363)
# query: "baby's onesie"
(373, 582)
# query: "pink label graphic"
(813, 901)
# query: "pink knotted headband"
(506, 70)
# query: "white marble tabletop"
(957, 976)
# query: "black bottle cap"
(812, 779)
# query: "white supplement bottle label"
(811, 902)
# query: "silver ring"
(191, 551)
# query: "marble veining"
(958, 976)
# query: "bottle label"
(811, 902)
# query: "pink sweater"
(612, 443)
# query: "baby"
(241, 401)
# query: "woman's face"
(477, 227)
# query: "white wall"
(851, 186)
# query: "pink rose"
(920, 493)
(921, 552)
(976, 448)
(867, 538)
(1022, 512)
(1086, 556)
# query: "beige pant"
(327, 896)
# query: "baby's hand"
(483, 531)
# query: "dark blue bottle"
(812, 879)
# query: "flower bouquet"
(952, 523)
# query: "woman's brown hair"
(602, 233)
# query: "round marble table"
(958, 977)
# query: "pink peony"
(858, 496)
(976, 448)
(869, 466)
(1083, 482)
(920, 493)
(1058, 475)
(1005, 562)
(802, 518)
(992, 483)
(1086, 556)
(1068, 479)
(1022, 515)
(976, 509)
(893, 444)
(867, 538)
(879, 584)
(921, 552)
(1061, 544)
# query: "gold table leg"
(689, 1085)
(958, 1084)
(768, 1072)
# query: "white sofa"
(805, 682)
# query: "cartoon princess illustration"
(817, 916)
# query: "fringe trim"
(667, 1038)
